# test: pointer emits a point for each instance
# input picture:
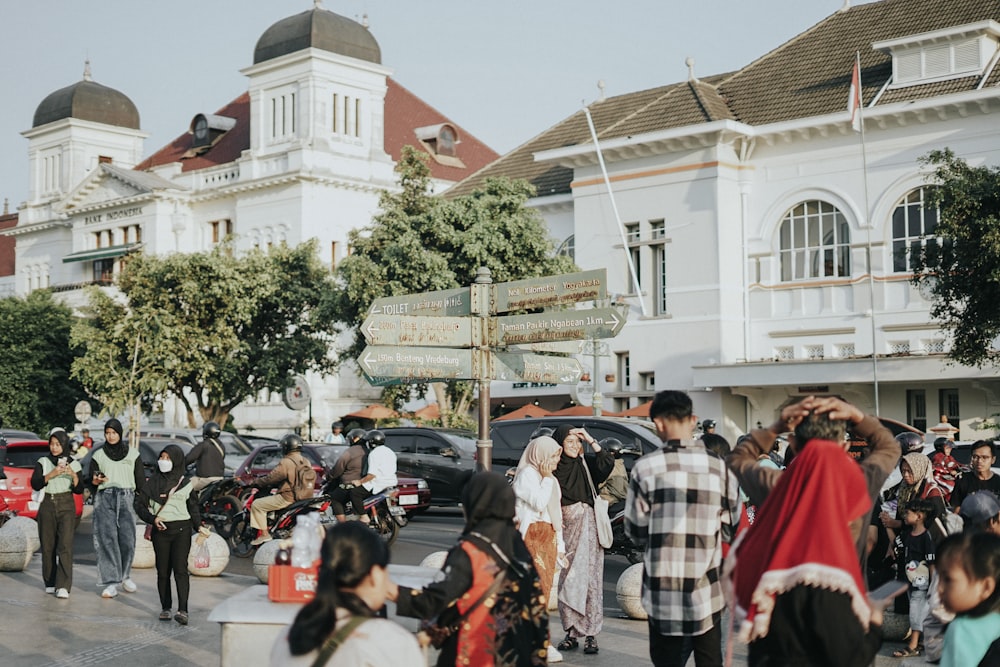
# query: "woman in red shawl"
(795, 579)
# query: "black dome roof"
(320, 29)
(87, 100)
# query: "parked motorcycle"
(219, 504)
(280, 522)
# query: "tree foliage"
(36, 391)
(961, 267)
(419, 242)
(212, 329)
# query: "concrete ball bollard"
(435, 560)
(264, 558)
(628, 590)
(18, 543)
(218, 551)
(144, 558)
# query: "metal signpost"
(451, 335)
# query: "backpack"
(304, 484)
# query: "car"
(11, 434)
(414, 493)
(22, 455)
(511, 436)
(236, 447)
(149, 451)
(445, 457)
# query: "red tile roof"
(404, 112)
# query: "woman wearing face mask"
(60, 476)
(167, 503)
(581, 585)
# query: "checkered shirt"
(683, 504)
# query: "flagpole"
(868, 226)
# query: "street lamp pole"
(598, 399)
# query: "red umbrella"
(373, 412)
(428, 412)
(639, 410)
(525, 411)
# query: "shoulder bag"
(605, 535)
(331, 645)
(149, 526)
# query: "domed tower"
(317, 82)
(75, 129)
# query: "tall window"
(283, 115)
(658, 248)
(949, 407)
(633, 237)
(220, 230)
(815, 242)
(913, 225)
(916, 408)
(624, 372)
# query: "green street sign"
(550, 291)
(514, 366)
(554, 326)
(386, 382)
(417, 363)
(443, 302)
(418, 330)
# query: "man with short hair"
(980, 477)
(683, 505)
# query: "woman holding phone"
(59, 476)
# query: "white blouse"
(533, 493)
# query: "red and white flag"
(854, 101)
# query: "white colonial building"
(303, 154)
(750, 207)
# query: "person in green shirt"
(59, 475)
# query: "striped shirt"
(683, 504)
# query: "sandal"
(181, 617)
(165, 615)
(568, 644)
(906, 652)
(590, 645)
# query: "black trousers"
(358, 496)
(674, 651)
(171, 547)
(339, 498)
(56, 525)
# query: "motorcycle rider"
(209, 455)
(379, 471)
(348, 469)
(282, 477)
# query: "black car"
(445, 457)
(511, 436)
(149, 451)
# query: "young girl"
(969, 564)
(918, 559)
(61, 477)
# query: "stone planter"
(628, 590)
(218, 549)
(18, 543)
(144, 556)
(264, 558)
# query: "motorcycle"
(385, 515)
(622, 545)
(219, 504)
(280, 522)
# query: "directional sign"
(550, 291)
(559, 347)
(515, 366)
(419, 363)
(553, 326)
(444, 302)
(418, 330)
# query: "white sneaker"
(110, 592)
(49, 590)
(129, 586)
(554, 655)
(62, 594)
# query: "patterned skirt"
(541, 542)
(581, 584)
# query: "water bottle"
(305, 545)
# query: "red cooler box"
(291, 584)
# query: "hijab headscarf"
(922, 472)
(119, 450)
(64, 441)
(488, 504)
(159, 483)
(571, 473)
(801, 538)
(538, 451)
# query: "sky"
(503, 71)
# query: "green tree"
(36, 391)
(961, 264)
(212, 329)
(419, 242)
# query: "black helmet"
(939, 443)
(355, 435)
(910, 442)
(291, 443)
(613, 445)
(374, 438)
(210, 430)
(707, 424)
(541, 431)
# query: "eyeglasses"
(980, 458)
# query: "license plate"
(395, 510)
(408, 500)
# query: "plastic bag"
(202, 556)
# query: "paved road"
(39, 630)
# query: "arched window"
(815, 242)
(913, 226)
(568, 247)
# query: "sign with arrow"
(513, 366)
(550, 291)
(554, 326)
(417, 363)
(443, 302)
(418, 330)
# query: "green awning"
(100, 253)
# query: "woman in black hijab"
(167, 503)
(512, 630)
(60, 476)
(581, 584)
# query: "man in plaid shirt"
(683, 505)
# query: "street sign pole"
(481, 307)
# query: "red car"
(22, 455)
(414, 494)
